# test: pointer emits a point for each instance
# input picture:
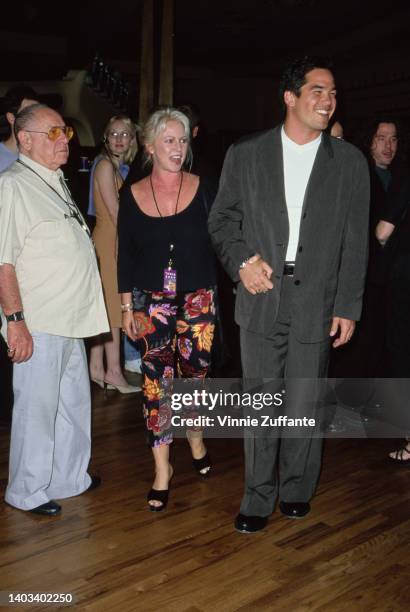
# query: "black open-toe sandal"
(398, 456)
(160, 496)
(203, 466)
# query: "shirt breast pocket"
(55, 237)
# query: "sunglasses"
(55, 132)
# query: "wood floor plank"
(350, 553)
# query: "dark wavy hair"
(294, 75)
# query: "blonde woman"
(167, 280)
(120, 147)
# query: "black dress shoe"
(95, 482)
(250, 524)
(294, 509)
(51, 508)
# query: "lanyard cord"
(72, 206)
(171, 244)
(155, 199)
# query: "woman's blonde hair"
(132, 151)
(157, 122)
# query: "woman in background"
(120, 147)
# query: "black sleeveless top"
(143, 246)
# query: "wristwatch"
(248, 260)
(15, 316)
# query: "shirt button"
(297, 282)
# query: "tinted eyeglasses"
(119, 135)
(55, 132)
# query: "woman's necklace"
(170, 273)
(155, 199)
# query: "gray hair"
(25, 117)
(156, 124)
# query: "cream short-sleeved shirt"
(53, 256)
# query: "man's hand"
(384, 230)
(346, 327)
(256, 275)
(19, 342)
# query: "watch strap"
(15, 316)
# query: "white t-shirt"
(297, 165)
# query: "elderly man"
(290, 224)
(51, 297)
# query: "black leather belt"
(289, 268)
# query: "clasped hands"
(256, 275)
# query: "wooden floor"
(351, 553)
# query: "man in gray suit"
(290, 225)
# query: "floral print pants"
(175, 339)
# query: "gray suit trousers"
(277, 461)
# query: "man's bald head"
(31, 127)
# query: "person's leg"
(158, 317)
(113, 374)
(301, 447)
(36, 385)
(263, 360)
(398, 343)
(199, 453)
(163, 474)
(132, 357)
(72, 447)
(195, 333)
(97, 370)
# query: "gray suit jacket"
(250, 216)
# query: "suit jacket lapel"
(272, 156)
(320, 170)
